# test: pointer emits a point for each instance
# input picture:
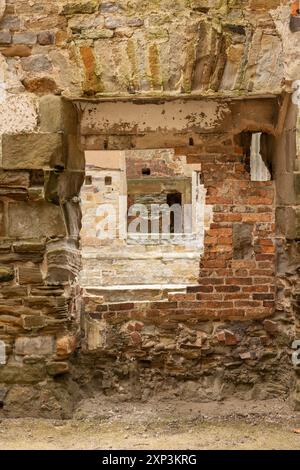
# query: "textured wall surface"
(192, 75)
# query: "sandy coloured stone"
(65, 345)
(97, 33)
(27, 38)
(80, 7)
(31, 151)
(2, 7)
(16, 51)
(18, 179)
(35, 220)
(41, 345)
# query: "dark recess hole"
(88, 180)
(59, 169)
(37, 178)
(172, 199)
(191, 141)
(108, 181)
(146, 171)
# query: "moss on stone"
(81, 7)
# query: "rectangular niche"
(116, 184)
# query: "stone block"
(2, 219)
(113, 22)
(7, 273)
(109, 7)
(287, 222)
(11, 22)
(97, 34)
(57, 115)
(35, 220)
(81, 7)
(16, 51)
(30, 274)
(38, 345)
(27, 38)
(22, 373)
(32, 151)
(45, 38)
(271, 327)
(65, 345)
(297, 186)
(36, 63)
(36, 194)
(51, 114)
(2, 8)
(242, 241)
(5, 37)
(297, 224)
(16, 179)
(57, 368)
(28, 246)
(33, 322)
(40, 85)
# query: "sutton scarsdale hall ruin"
(149, 201)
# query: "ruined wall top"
(90, 47)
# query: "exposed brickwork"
(222, 321)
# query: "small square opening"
(146, 172)
(108, 181)
(88, 180)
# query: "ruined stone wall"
(90, 49)
(92, 46)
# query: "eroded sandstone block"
(34, 151)
(35, 220)
(40, 345)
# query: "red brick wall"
(230, 287)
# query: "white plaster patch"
(119, 117)
(18, 113)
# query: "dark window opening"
(146, 171)
(59, 168)
(173, 198)
(191, 141)
(108, 180)
(88, 180)
(257, 149)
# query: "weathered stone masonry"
(197, 77)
